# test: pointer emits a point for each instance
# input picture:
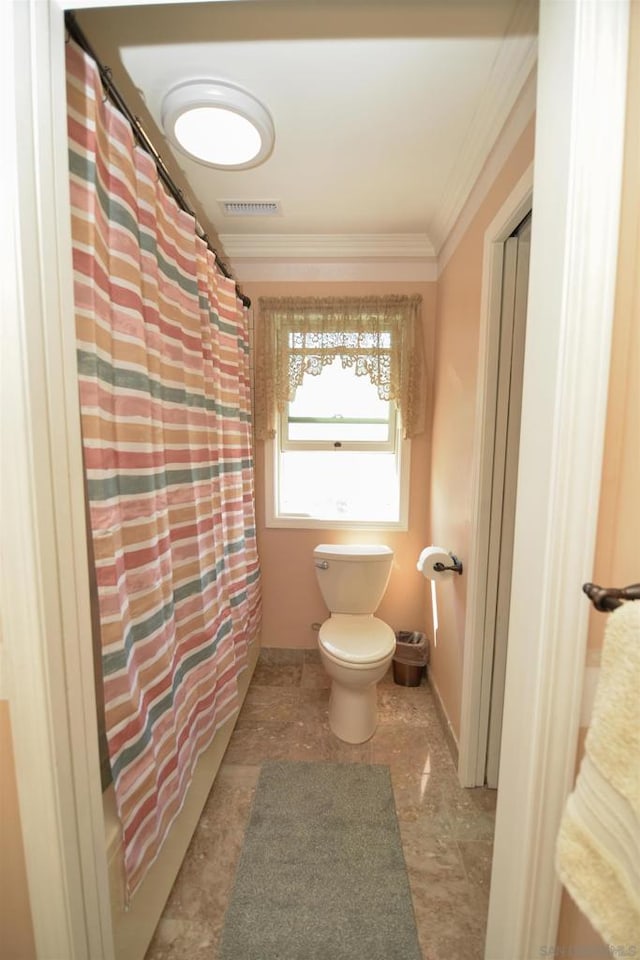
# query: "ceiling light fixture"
(218, 124)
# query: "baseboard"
(443, 717)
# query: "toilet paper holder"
(456, 565)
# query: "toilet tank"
(353, 577)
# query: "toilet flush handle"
(322, 564)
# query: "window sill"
(312, 523)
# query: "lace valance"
(379, 337)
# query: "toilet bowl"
(355, 647)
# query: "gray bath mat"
(321, 875)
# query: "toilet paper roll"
(427, 560)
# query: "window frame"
(280, 321)
(274, 519)
(384, 446)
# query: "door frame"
(47, 661)
(580, 121)
(49, 679)
(476, 672)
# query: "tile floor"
(447, 832)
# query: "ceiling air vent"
(250, 208)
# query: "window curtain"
(379, 337)
(163, 367)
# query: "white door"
(515, 284)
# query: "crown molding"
(513, 66)
(327, 246)
(273, 270)
(523, 111)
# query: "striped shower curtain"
(164, 387)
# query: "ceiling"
(384, 112)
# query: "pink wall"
(455, 378)
(291, 598)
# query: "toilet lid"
(357, 639)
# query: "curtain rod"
(141, 136)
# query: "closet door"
(515, 284)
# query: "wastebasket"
(410, 659)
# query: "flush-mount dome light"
(218, 123)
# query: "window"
(339, 453)
(338, 410)
(330, 404)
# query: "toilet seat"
(350, 638)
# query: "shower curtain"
(163, 367)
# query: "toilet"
(355, 647)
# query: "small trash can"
(410, 659)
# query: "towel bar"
(608, 598)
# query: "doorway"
(577, 192)
(499, 399)
(513, 316)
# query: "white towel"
(598, 848)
